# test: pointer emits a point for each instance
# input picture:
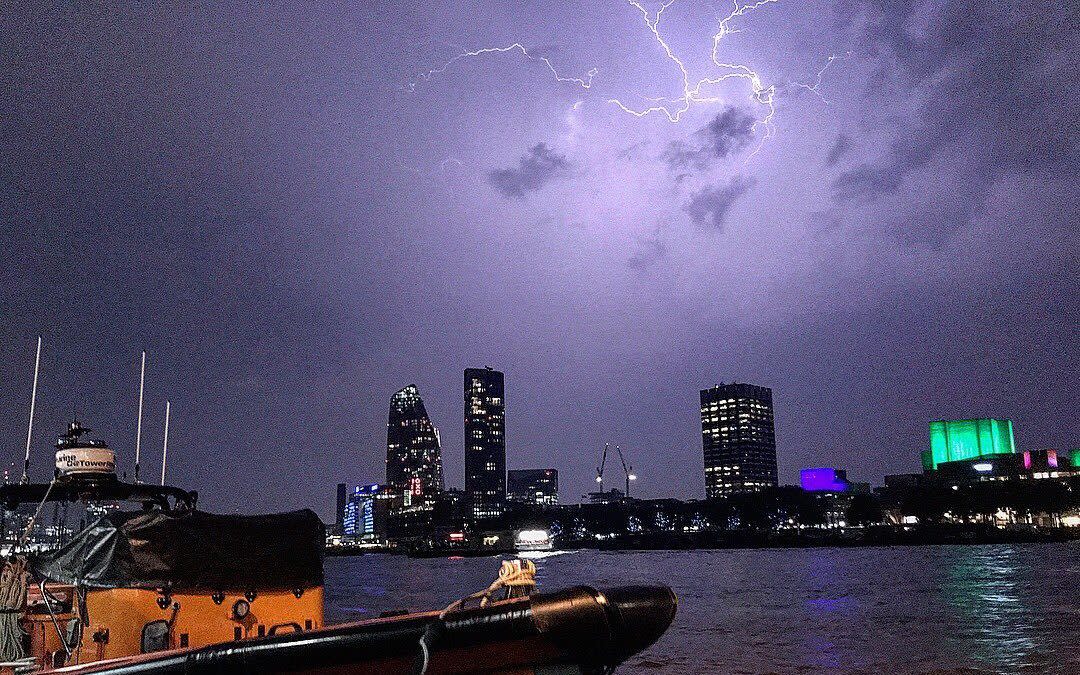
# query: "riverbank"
(885, 535)
(868, 536)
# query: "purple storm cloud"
(259, 198)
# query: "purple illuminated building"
(824, 480)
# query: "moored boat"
(168, 589)
(577, 630)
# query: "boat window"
(155, 636)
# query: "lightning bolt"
(583, 82)
(440, 170)
(693, 92)
(820, 74)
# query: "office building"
(365, 512)
(533, 486)
(738, 439)
(339, 513)
(485, 443)
(413, 456)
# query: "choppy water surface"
(858, 610)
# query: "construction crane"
(628, 471)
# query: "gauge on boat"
(240, 609)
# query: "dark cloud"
(839, 148)
(992, 110)
(710, 205)
(727, 133)
(651, 250)
(537, 168)
(868, 181)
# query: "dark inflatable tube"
(580, 626)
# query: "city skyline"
(410, 395)
(296, 213)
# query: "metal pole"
(165, 445)
(138, 429)
(625, 470)
(30, 425)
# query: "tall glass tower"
(738, 439)
(485, 443)
(413, 457)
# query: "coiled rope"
(13, 586)
(517, 576)
(14, 582)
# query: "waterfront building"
(824, 479)
(485, 443)
(366, 512)
(1026, 465)
(533, 486)
(339, 513)
(956, 440)
(738, 439)
(413, 455)
(612, 496)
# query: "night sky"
(297, 212)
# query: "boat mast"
(165, 444)
(138, 428)
(30, 425)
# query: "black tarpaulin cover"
(191, 550)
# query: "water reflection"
(982, 585)
(904, 611)
(826, 604)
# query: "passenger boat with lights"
(166, 588)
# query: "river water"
(930, 609)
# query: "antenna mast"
(30, 425)
(165, 445)
(138, 429)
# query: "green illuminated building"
(955, 440)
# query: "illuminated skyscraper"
(485, 443)
(413, 457)
(738, 439)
